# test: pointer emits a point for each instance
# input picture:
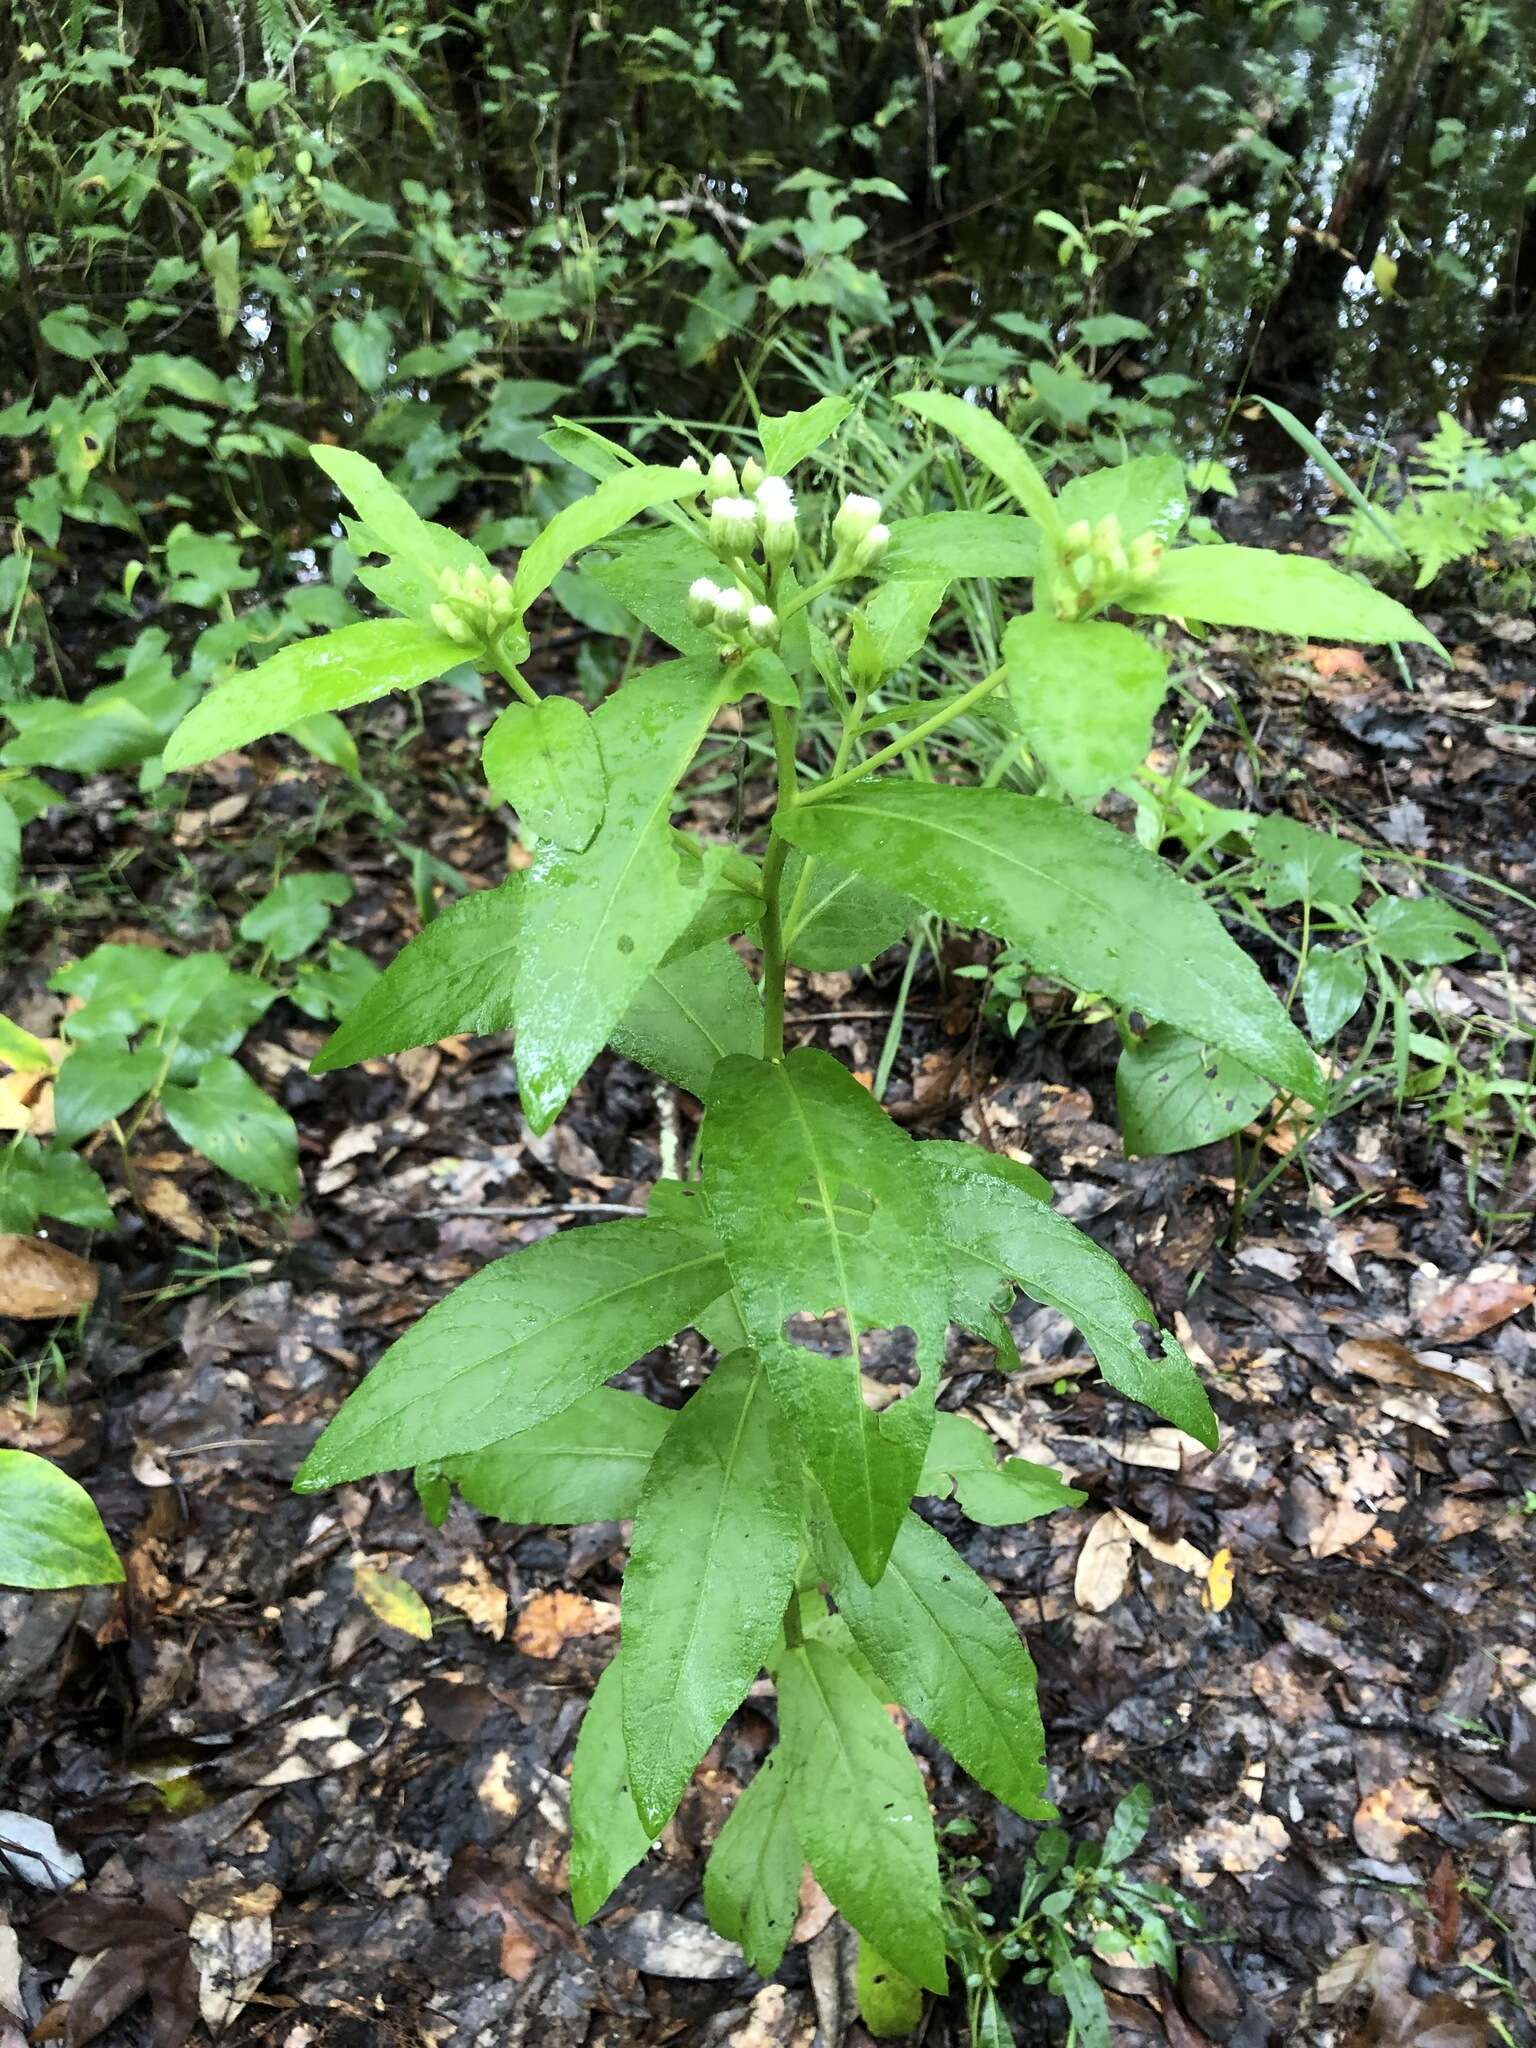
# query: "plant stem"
(772, 927)
(834, 784)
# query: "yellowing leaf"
(395, 1603)
(1217, 1593)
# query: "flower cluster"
(1097, 567)
(732, 613)
(748, 512)
(475, 608)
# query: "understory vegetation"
(780, 632)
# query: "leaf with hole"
(1174, 1094)
(752, 1879)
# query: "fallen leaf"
(31, 1853)
(394, 1601)
(233, 1952)
(1236, 1846)
(1488, 1295)
(1217, 1593)
(550, 1620)
(39, 1280)
(1103, 1564)
(1386, 1818)
(476, 1595)
(169, 1203)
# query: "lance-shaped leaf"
(711, 1565)
(419, 550)
(962, 1459)
(752, 1881)
(821, 1211)
(860, 1809)
(1080, 898)
(835, 919)
(994, 1230)
(692, 1013)
(649, 573)
(983, 435)
(951, 545)
(455, 975)
(50, 1533)
(518, 1343)
(607, 1840)
(594, 926)
(1291, 594)
(788, 437)
(943, 1644)
(328, 673)
(543, 759)
(586, 1464)
(591, 519)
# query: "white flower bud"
(691, 464)
(855, 517)
(775, 500)
(751, 474)
(451, 626)
(871, 548)
(721, 479)
(730, 611)
(703, 596)
(733, 526)
(763, 625)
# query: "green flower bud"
(703, 596)
(763, 625)
(451, 626)
(720, 482)
(1077, 539)
(1146, 558)
(871, 548)
(731, 610)
(751, 475)
(855, 518)
(733, 526)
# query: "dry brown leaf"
(1236, 1846)
(1386, 1818)
(1181, 1554)
(550, 1620)
(39, 1280)
(476, 1594)
(1488, 1295)
(1338, 661)
(1103, 1564)
(169, 1203)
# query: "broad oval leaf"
(330, 673)
(820, 1211)
(227, 1118)
(517, 1344)
(692, 1013)
(98, 1082)
(543, 759)
(942, 1643)
(983, 435)
(860, 1809)
(1146, 494)
(585, 1464)
(889, 628)
(835, 919)
(607, 1840)
(711, 1565)
(788, 437)
(1083, 900)
(752, 1880)
(992, 1228)
(1296, 595)
(1085, 696)
(1175, 1093)
(649, 573)
(50, 1533)
(1332, 989)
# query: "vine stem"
(961, 704)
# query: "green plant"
(812, 1242)
(50, 1533)
(1457, 498)
(1073, 1905)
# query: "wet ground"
(306, 1828)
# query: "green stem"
(961, 704)
(772, 927)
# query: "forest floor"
(300, 1826)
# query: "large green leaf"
(591, 519)
(860, 1810)
(752, 1881)
(97, 1083)
(983, 435)
(1146, 494)
(227, 1118)
(1175, 1093)
(50, 1534)
(788, 437)
(943, 1644)
(585, 1464)
(1083, 900)
(692, 1013)
(593, 927)
(419, 549)
(951, 545)
(820, 1211)
(518, 1343)
(607, 1840)
(1085, 696)
(36, 1183)
(711, 1565)
(992, 1228)
(329, 673)
(1295, 595)
(543, 760)
(650, 573)
(455, 975)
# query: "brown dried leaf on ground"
(1465, 1308)
(1103, 1564)
(39, 1280)
(551, 1620)
(1387, 1818)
